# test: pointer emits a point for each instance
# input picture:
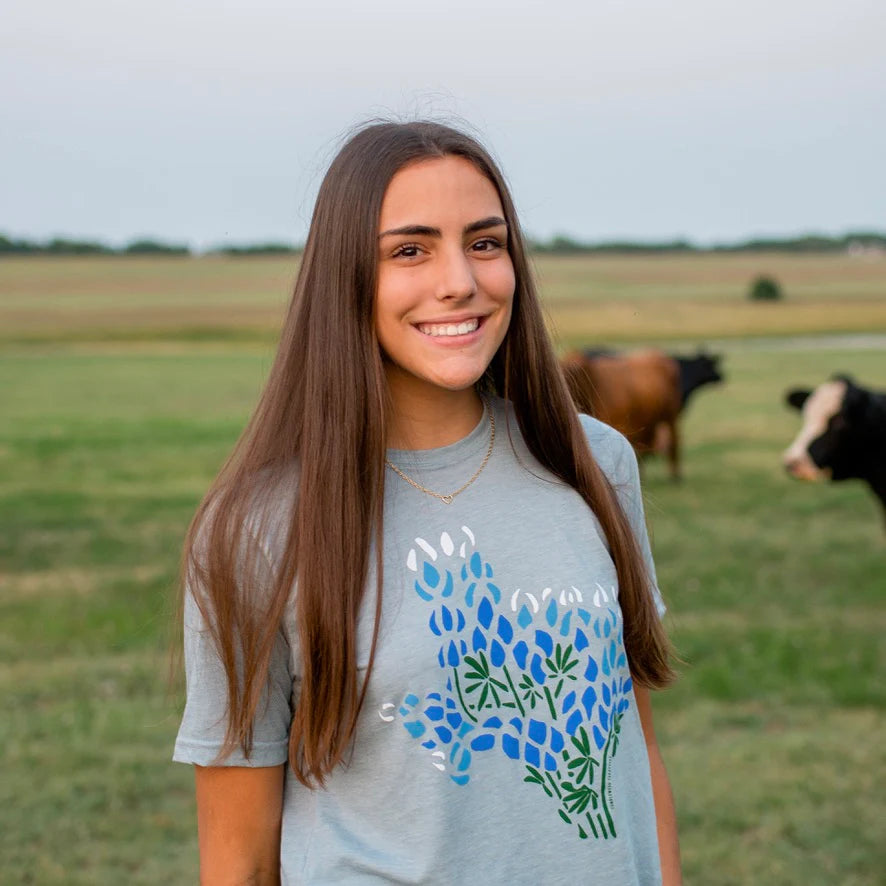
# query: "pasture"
(124, 383)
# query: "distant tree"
(765, 289)
(18, 247)
(155, 247)
(259, 249)
(62, 246)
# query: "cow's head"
(708, 367)
(825, 445)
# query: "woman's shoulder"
(610, 448)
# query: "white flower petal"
(428, 549)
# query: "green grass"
(774, 735)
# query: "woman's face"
(445, 277)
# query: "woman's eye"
(487, 244)
(408, 250)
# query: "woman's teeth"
(449, 328)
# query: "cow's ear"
(797, 398)
(855, 400)
(841, 376)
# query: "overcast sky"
(212, 121)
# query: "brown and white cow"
(635, 392)
(843, 435)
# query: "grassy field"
(122, 387)
(636, 299)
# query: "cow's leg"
(674, 451)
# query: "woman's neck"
(428, 419)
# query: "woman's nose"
(456, 281)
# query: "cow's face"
(813, 453)
(708, 368)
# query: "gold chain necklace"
(447, 499)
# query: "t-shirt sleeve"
(618, 460)
(201, 734)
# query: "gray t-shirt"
(499, 741)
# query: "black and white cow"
(843, 435)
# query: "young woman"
(421, 619)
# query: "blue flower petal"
(535, 669)
(551, 614)
(431, 576)
(544, 641)
(484, 612)
(510, 746)
(521, 650)
(568, 702)
(574, 721)
(599, 739)
(483, 742)
(537, 731)
(415, 728)
(524, 617)
(604, 717)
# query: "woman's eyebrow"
(493, 221)
(413, 230)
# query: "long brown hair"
(325, 409)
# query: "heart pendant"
(446, 499)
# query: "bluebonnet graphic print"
(539, 677)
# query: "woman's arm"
(665, 816)
(239, 810)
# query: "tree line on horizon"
(557, 245)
